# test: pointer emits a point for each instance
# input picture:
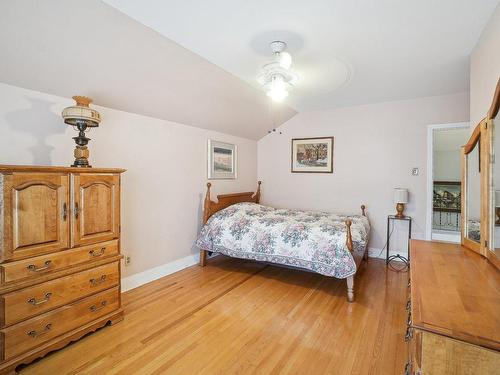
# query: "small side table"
(388, 258)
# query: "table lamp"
(82, 118)
(400, 198)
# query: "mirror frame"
(477, 138)
(483, 133)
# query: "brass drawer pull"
(77, 210)
(408, 305)
(34, 302)
(408, 321)
(409, 334)
(34, 268)
(65, 211)
(95, 308)
(35, 334)
(408, 368)
(95, 282)
(94, 253)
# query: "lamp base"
(81, 154)
(400, 207)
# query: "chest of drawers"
(59, 257)
(453, 311)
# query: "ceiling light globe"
(285, 60)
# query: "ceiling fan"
(277, 77)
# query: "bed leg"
(350, 288)
(203, 258)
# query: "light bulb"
(277, 90)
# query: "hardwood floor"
(239, 317)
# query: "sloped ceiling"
(347, 52)
(70, 47)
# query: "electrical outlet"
(128, 260)
(414, 172)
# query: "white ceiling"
(73, 47)
(347, 52)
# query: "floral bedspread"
(315, 241)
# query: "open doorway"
(444, 180)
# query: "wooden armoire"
(59, 257)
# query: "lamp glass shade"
(497, 198)
(400, 195)
(81, 112)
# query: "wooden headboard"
(225, 200)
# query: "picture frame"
(222, 160)
(447, 196)
(312, 155)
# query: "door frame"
(430, 169)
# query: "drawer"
(32, 267)
(34, 332)
(37, 299)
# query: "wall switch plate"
(414, 172)
(128, 260)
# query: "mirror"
(473, 193)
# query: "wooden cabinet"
(96, 208)
(35, 213)
(453, 325)
(59, 257)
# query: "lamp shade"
(400, 195)
(81, 112)
(497, 198)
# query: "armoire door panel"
(96, 203)
(38, 212)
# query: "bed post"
(350, 288)
(206, 215)
(257, 194)
(348, 223)
(363, 210)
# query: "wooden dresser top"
(54, 169)
(455, 292)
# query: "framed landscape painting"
(312, 155)
(221, 160)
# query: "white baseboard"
(376, 253)
(141, 278)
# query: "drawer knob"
(100, 306)
(95, 282)
(34, 302)
(35, 334)
(34, 268)
(94, 253)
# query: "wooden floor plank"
(242, 317)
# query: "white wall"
(485, 69)
(165, 181)
(376, 146)
(447, 165)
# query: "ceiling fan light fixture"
(277, 77)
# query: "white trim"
(141, 278)
(430, 170)
(376, 253)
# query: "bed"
(326, 243)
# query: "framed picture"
(312, 155)
(221, 160)
(447, 196)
